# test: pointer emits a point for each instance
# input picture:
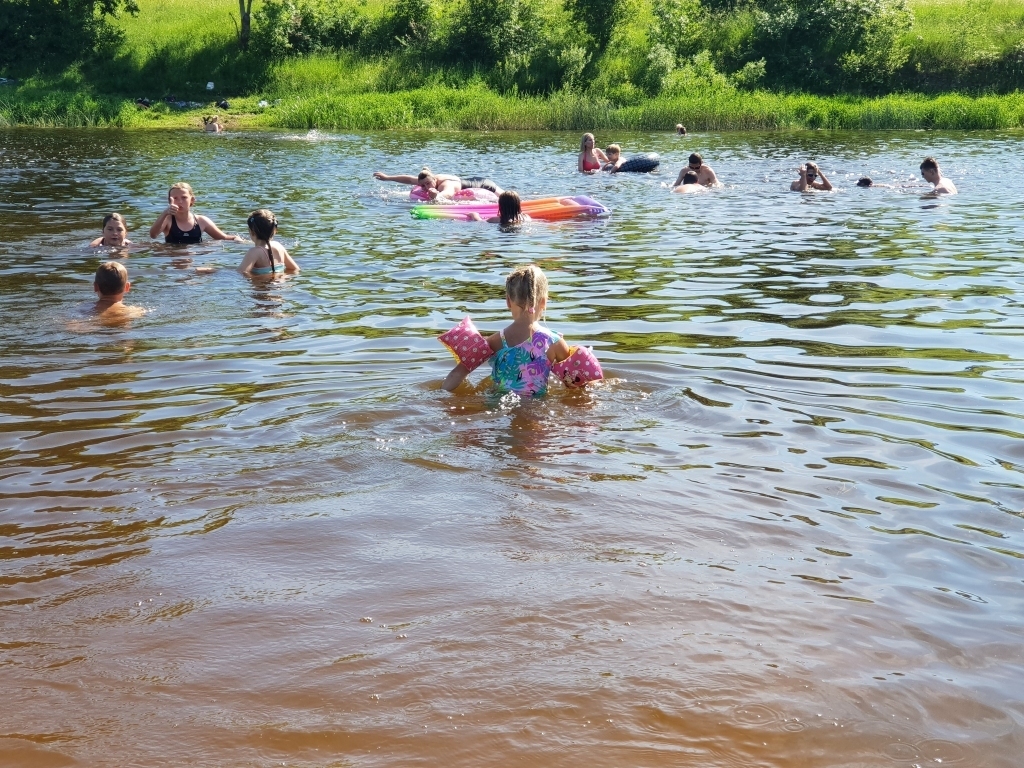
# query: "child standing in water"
(111, 284)
(115, 232)
(265, 257)
(525, 351)
(179, 225)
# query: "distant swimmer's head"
(680, 129)
(181, 195)
(695, 162)
(111, 280)
(115, 231)
(689, 177)
(587, 142)
(510, 208)
(262, 224)
(613, 152)
(930, 170)
(865, 182)
(527, 287)
(426, 179)
(811, 170)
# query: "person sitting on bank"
(689, 185)
(931, 173)
(705, 173)
(811, 178)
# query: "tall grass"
(479, 109)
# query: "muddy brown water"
(247, 529)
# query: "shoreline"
(480, 109)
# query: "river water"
(248, 529)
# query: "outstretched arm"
(679, 178)
(206, 224)
(402, 178)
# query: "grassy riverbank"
(476, 108)
(177, 46)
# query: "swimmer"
(111, 284)
(866, 181)
(689, 185)
(212, 124)
(811, 178)
(265, 257)
(115, 233)
(931, 173)
(525, 351)
(680, 129)
(705, 173)
(510, 211)
(590, 158)
(179, 225)
(440, 185)
(615, 158)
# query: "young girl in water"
(590, 158)
(510, 211)
(179, 225)
(265, 257)
(115, 232)
(525, 351)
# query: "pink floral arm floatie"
(467, 344)
(579, 368)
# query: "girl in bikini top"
(180, 200)
(265, 257)
(591, 158)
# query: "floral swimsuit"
(524, 368)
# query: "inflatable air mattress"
(545, 209)
(641, 163)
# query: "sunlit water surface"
(249, 529)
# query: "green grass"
(176, 46)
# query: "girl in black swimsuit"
(179, 225)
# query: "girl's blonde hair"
(185, 186)
(527, 287)
(583, 141)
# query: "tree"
(50, 34)
(245, 12)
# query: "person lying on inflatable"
(615, 158)
(525, 353)
(431, 186)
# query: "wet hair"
(865, 181)
(425, 174)
(583, 141)
(680, 129)
(114, 217)
(111, 278)
(263, 224)
(613, 149)
(695, 158)
(689, 177)
(929, 164)
(812, 167)
(184, 186)
(527, 287)
(510, 209)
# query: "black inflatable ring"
(641, 163)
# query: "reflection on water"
(248, 528)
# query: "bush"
(830, 45)
(51, 35)
(286, 28)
